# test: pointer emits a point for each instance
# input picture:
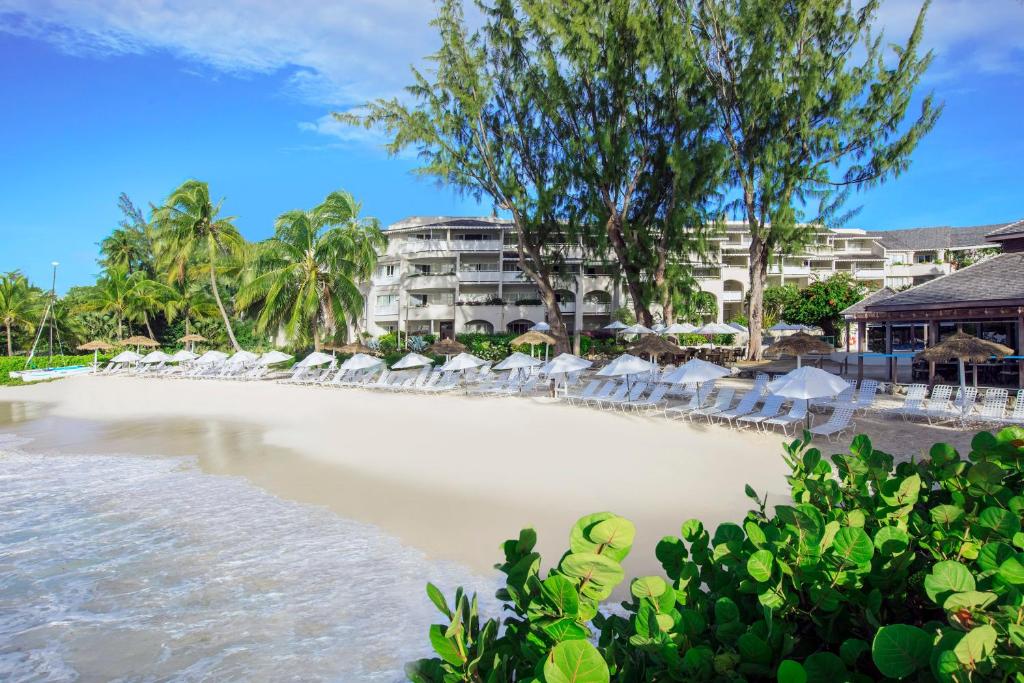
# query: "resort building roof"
(874, 297)
(417, 222)
(939, 237)
(1008, 230)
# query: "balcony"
(430, 312)
(596, 308)
(796, 271)
(389, 309)
(380, 280)
(421, 246)
(732, 296)
(567, 306)
(869, 273)
(422, 282)
(918, 269)
(480, 276)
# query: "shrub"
(875, 572)
(17, 363)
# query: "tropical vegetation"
(878, 570)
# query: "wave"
(141, 568)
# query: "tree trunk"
(668, 310)
(316, 337)
(186, 326)
(145, 319)
(629, 269)
(10, 347)
(120, 328)
(759, 256)
(220, 305)
(540, 273)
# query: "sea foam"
(139, 568)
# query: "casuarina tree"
(811, 105)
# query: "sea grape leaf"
(946, 514)
(575, 661)
(891, 540)
(561, 593)
(824, 667)
(1012, 570)
(948, 577)
(444, 647)
(899, 650)
(999, 521)
(969, 600)
(976, 645)
(759, 565)
(853, 546)
(648, 587)
(791, 672)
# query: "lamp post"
(53, 304)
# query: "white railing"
(480, 275)
(567, 307)
(869, 273)
(415, 246)
(387, 309)
(732, 296)
(386, 279)
(596, 308)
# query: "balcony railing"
(417, 246)
(589, 307)
(480, 276)
(869, 273)
(732, 296)
(386, 309)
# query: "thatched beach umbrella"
(138, 341)
(353, 348)
(653, 346)
(798, 345)
(447, 348)
(96, 346)
(965, 349)
(532, 338)
(191, 340)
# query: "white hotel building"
(448, 274)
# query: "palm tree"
(190, 301)
(305, 275)
(127, 297)
(191, 230)
(19, 305)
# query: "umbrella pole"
(798, 359)
(963, 384)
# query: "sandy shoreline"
(451, 475)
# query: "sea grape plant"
(875, 570)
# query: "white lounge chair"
(865, 396)
(605, 391)
(586, 392)
(620, 392)
(1017, 415)
(722, 402)
(696, 402)
(993, 406)
(838, 424)
(744, 407)
(634, 394)
(913, 403)
(937, 406)
(772, 406)
(653, 400)
(797, 414)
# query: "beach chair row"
(960, 405)
(721, 406)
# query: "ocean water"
(131, 568)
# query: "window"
(479, 327)
(386, 300)
(926, 257)
(421, 268)
(479, 267)
(519, 326)
(387, 270)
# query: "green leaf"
(891, 540)
(444, 647)
(616, 533)
(969, 600)
(560, 592)
(753, 649)
(648, 587)
(566, 629)
(945, 515)
(853, 546)
(437, 597)
(759, 565)
(899, 650)
(992, 555)
(976, 646)
(755, 534)
(1012, 570)
(600, 573)
(852, 649)
(692, 529)
(948, 577)
(575, 661)
(824, 667)
(999, 521)
(791, 672)
(942, 453)
(726, 611)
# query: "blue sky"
(116, 96)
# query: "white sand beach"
(451, 475)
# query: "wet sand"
(450, 475)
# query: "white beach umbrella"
(412, 360)
(211, 357)
(696, 371)
(541, 327)
(806, 383)
(314, 359)
(183, 356)
(660, 328)
(243, 357)
(715, 328)
(126, 357)
(626, 365)
(680, 328)
(517, 361)
(463, 361)
(738, 327)
(155, 357)
(637, 329)
(615, 325)
(274, 357)
(788, 327)
(565, 363)
(360, 361)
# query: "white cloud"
(337, 53)
(968, 36)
